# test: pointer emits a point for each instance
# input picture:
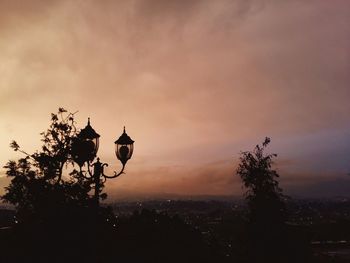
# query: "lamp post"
(84, 150)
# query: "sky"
(194, 82)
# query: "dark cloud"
(324, 188)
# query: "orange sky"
(195, 82)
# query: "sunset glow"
(194, 82)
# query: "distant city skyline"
(194, 82)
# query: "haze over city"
(194, 82)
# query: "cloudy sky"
(194, 82)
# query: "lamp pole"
(84, 151)
(98, 172)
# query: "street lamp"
(84, 150)
(124, 148)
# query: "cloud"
(193, 81)
(211, 179)
(317, 186)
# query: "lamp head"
(124, 147)
(85, 144)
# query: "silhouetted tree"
(53, 205)
(267, 212)
(39, 188)
(57, 219)
(264, 196)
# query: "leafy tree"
(267, 212)
(39, 187)
(264, 196)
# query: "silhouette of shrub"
(268, 238)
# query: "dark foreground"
(176, 231)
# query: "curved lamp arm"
(91, 172)
(115, 173)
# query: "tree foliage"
(38, 184)
(266, 236)
(264, 196)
